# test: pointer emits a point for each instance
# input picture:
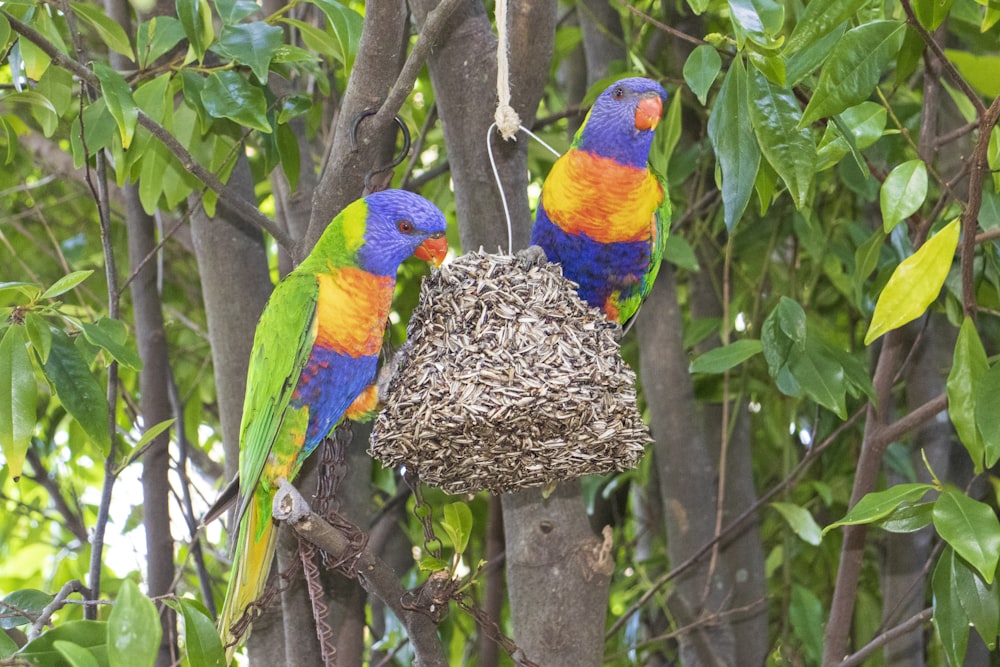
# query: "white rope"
(507, 120)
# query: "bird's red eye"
(618, 93)
(405, 226)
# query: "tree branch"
(434, 25)
(376, 577)
(970, 216)
(886, 637)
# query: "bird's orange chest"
(351, 311)
(595, 196)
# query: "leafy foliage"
(839, 201)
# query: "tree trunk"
(687, 476)
(154, 383)
(558, 577)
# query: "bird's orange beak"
(647, 114)
(433, 250)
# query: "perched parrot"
(313, 363)
(602, 214)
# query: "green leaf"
(865, 122)
(202, 645)
(66, 283)
(38, 103)
(457, 523)
(293, 107)
(134, 629)
(88, 634)
(987, 416)
(979, 600)
(854, 68)
(233, 11)
(251, 44)
(118, 97)
(979, 70)
(931, 13)
(969, 365)
(800, 521)
(345, 26)
(679, 252)
(39, 334)
(76, 655)
(788, 147)
(78, 389)
(9, 138)
(806, 615)
(228, 95)
(817, 372)
(721, 359)
(288, 150)
(110, 335)
(8, 647)
(700, 70)
(109, 30)
(731, 134)
(758, 20)
(802, 62)
(907, 518)
(880, 504)
(950, 619)
(783, 329)
(5, 31)
(915, 283)
(196, 19)
(315, 39)
(972, 530)
(903, 193)
(25, 601)
(156, 37)
(432, 564)
(866, 261)
(818, 20)
(18, 398)
(98, 130)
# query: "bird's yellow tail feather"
(251, 564)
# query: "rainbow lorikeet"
(313, 362)
(602, 214)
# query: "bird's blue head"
(620, 124)
(400, 224)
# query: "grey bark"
(686, 473)
(741, 570)
(904, 556)
(381, 52)
(154, 383)
(557, 577)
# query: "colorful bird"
(602, 214)
(313, 363)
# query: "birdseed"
(508, 379)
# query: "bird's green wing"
(658, 238)
(281, 349)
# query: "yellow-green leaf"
(915, 283)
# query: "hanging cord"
(506, 119)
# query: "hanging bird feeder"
(508, 380)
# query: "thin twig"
(886, 637)
(58, 602)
